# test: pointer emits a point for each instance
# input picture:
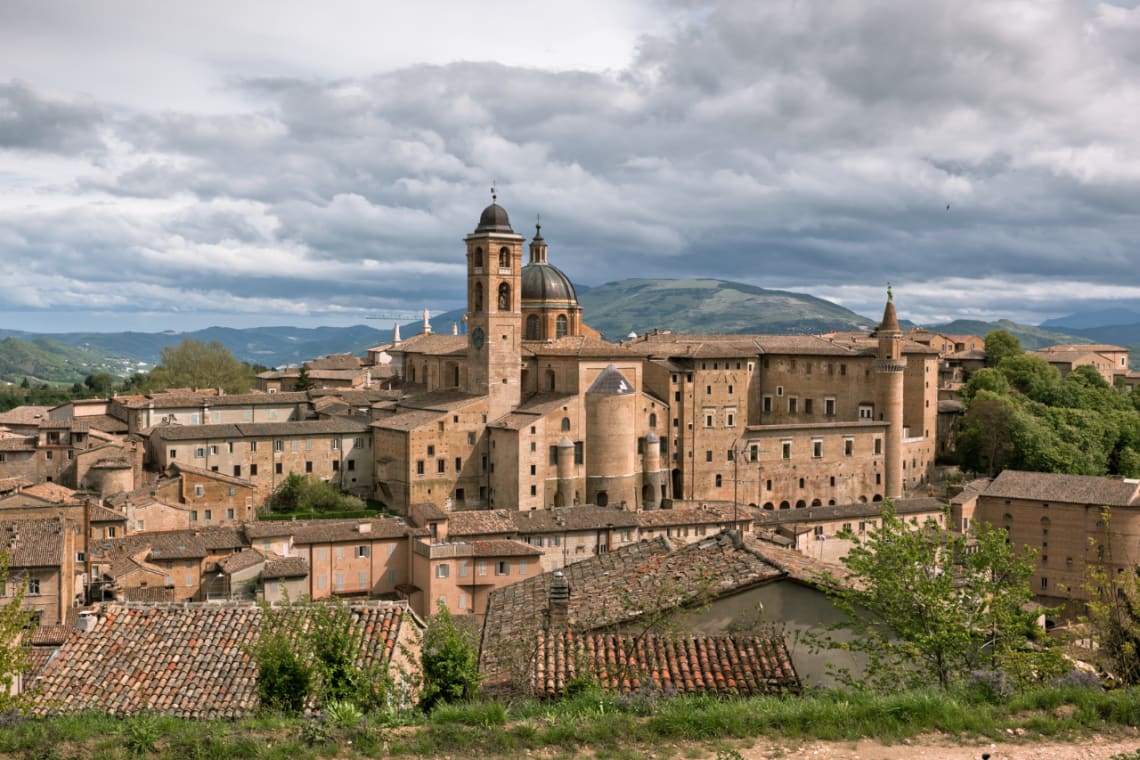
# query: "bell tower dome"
(494, 310)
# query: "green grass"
(608, 726)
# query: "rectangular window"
(419, 467)
(878, 446)
(199, 490)
(708, 420)
(33, 586)
(866, 412)
(237, 470)
(363, 551)
(322, 582)
(199, 452)
(786, 450)
(462, 601)
(462, 569)
(278, 468)
(730, 419)
(502, 567)
(754, 453)
(340, 581)
(193, 515)
(848, 447)
(482, 568)
(278, 445)
(817, 449)
(441, 465)
(534, 490)
(793, 405)
(335, 444)
(522, 567)
(252, 470)
(578, 454)
(213, 451)
(252, 446)
(173, 453)
(728, 455)
(229, 514)
(829, 407)
(807, 406)
(708, 456)
(336, 465)
(431, 451)
(308, 466)
(442, 570)
(209, 514)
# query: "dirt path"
(941, 748)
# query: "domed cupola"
(494, 219)
(542, 282)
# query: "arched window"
(801, 504)
(478, 258)
(769, 506)
(602, 499)
(719, 481)
(560, 326)
(532, 332)
(504, 258)
(504, 297)
(785, 505)
(816, 503)
(565, 423)
(877, 497)
(478, 297)
(652, 420)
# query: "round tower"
(565, 472)
(611, 448)
(889, 368)
(651, 477)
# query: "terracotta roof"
(435, 344)
(106, 423)
(13, 484)
(711, 513)
(679, 345)
(177, 544)
(285, 567)
(186, 661)
(212, 475)
(410, 419)
(971, 490)
(331, 531)
(564, 519)
(856, 510)
(24, 415)
(100, 513)
(337, 362)
(53, 492)
(178, 400)
(480, 522)
(33, 543)
(327, 426)
(50, 635)
(502, 547)
(737, 665)
(620, 586)
(17, 443)
(1097, 347)
(147, 594)
(576, 345)
(242, 560)
(1074, 489)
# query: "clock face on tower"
(478, 338)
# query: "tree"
(304, 382)
(297, 492)
(986, 437)
(194, 364)
(929, 606)
(985, 379)
(1112, 612)
(449, 660)
(1031, 375)
(1000, 344)
(100, 382)
(14, 620)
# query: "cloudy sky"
(177, 165)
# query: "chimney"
(364, 527)
(559, 612)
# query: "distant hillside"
(1083, 320)
(709, 306)
(44, 359)
(1031, 337)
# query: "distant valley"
(616, 309)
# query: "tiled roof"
(326, 531)
(327, 426)
(435, 344)
(17, 443)
(49, 635)
(33, 543)
(737, 665)
(576, 345)
(13, 484)
(147, 594)
(186, 661)
(52, 492)
(1074, 489)
(683, 345)
(844, 511)
(480, 522)
(502, 547)
(971, 490)
(285, 567)
(24, 415)
(100, 513)
(564, 519)
(335, 362)
(179, 400)
(242, 560)
(211, 474)
(622, 585)
(106, 423)
(706, 515)
(409, 419)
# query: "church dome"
(494, 219)
(546, 283)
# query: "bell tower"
(494, 310)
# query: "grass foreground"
(609, 726)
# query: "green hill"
(48, 360)
(1031, 337)
(709, 306)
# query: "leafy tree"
(25, 384)
(14, 620)
(985, 379)
(930, 606)
(194, 364)
(1031, 375)
(1112, 613)
(449, 659)
(986, 436)
(298, 492)
(100, 382)
(1000, 344)
(284, 676)
(304, 382)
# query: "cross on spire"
(494, 197)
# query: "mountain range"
(615, 309)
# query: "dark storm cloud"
(788, 144)
(30, 121)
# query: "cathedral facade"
(531, 409)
